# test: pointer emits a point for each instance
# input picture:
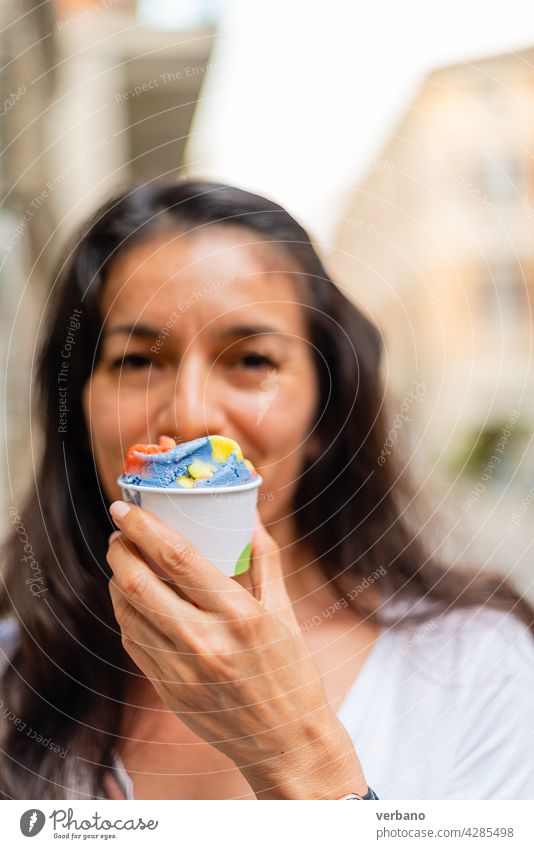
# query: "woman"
(348, 657)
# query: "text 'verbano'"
(400, 815)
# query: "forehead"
(218, 275)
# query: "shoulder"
(467, 647)
(478, 646)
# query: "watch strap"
(356, 796)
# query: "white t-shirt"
(443, 710)
(446, 710)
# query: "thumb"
(267, 576)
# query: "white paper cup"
(218, 522)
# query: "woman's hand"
(230, 661)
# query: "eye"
(253, 360)
(133, 361)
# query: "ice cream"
(211, 461)
(204, 489)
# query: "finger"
(144, 591)
(134, 626)
(192, 572)
(159, 658)
(146, 559)
(142, 660)
(145, 661)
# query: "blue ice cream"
(210, 461)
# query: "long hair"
(69, 674)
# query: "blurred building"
(93, 98)
(26, 83)
(438, 246)
(123, 102)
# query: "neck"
(308, 587)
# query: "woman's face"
(200, 337)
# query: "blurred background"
(401, 136)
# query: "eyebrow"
(241, 331)
(133, 330)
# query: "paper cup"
(218, 522)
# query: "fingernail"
(113, 536)
(119, 509)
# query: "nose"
(195, 407)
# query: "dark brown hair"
(69, 672)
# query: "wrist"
(321, 764)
